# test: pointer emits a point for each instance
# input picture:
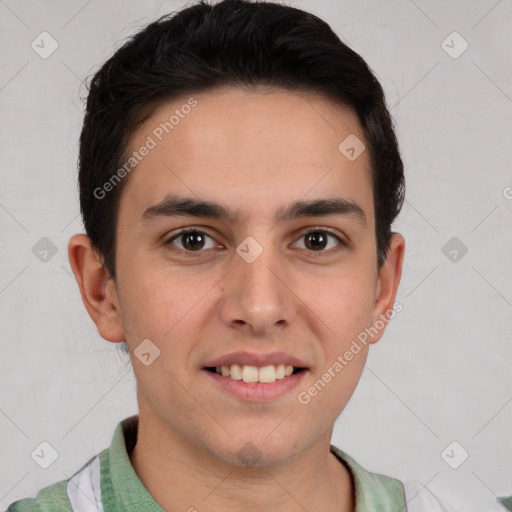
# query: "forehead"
(247, 148)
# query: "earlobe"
(387, 286)
(97, 291)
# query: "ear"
(99, 294)
(387, 286)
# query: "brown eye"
(191, 240)
(317, 240)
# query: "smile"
(247, 373)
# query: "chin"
(257, 450)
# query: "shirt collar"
(373, 491)
(122, 489)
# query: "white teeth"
(250, 374)
(267, 374)
(236, 372)
(247, 373)
(280, 371)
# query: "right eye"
(192, 241)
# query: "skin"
(308, 302)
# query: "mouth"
(256, 377)
(255, 374)
(256, 384)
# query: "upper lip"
(253, 359)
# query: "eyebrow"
(176, 206)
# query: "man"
(239, 176)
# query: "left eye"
(317, 239)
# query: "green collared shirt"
(108, 483)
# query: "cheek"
(167, 307)
(344, 305)
(157, 307)
(151, 303)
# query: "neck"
(182, 476)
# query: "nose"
(258, 295)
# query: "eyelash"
(194, 254)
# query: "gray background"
(441, 373)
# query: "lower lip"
(258, 391)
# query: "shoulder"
(24, 505)
(381, 492)
(54, 497)
(80, 492)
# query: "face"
(265, 284)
